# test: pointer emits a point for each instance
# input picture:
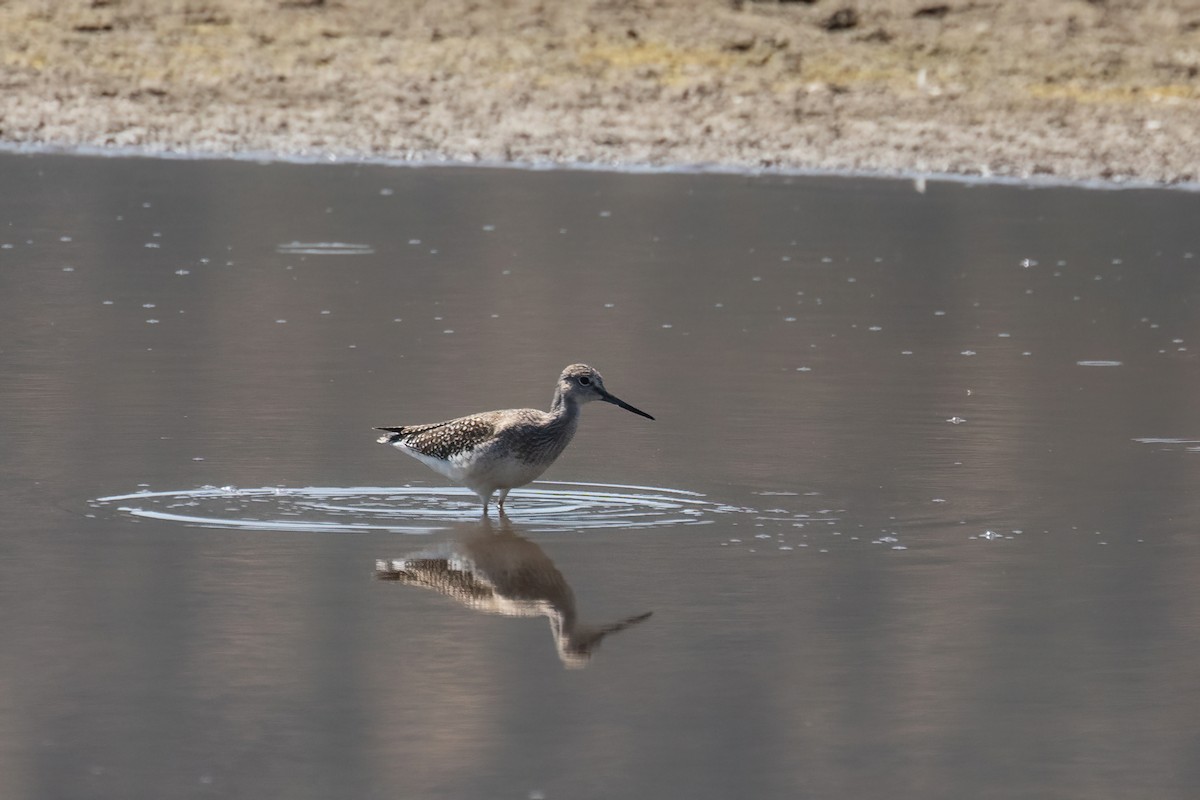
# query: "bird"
(501, 450)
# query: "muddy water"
(917, 518)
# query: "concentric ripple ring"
(543, 506)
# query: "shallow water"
(918, 516)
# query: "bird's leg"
(486, 498)
(503, 494)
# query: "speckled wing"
(442, 440)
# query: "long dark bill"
(616, 401)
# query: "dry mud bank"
(1107, 89)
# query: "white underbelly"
(480, 470)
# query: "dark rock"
(935, 11)
(843, 19)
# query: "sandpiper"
(500, 450)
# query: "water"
(918, 516)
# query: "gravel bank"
(1107, 89)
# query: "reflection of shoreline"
(492, 568)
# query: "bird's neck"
(563, 407)
(564, 419)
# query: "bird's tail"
(392, 436)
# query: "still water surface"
(918, 517)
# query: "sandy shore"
(1106, 89)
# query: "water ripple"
(324, 249)
(544, 506)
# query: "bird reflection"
(492, 568)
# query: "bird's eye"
(585, 381)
